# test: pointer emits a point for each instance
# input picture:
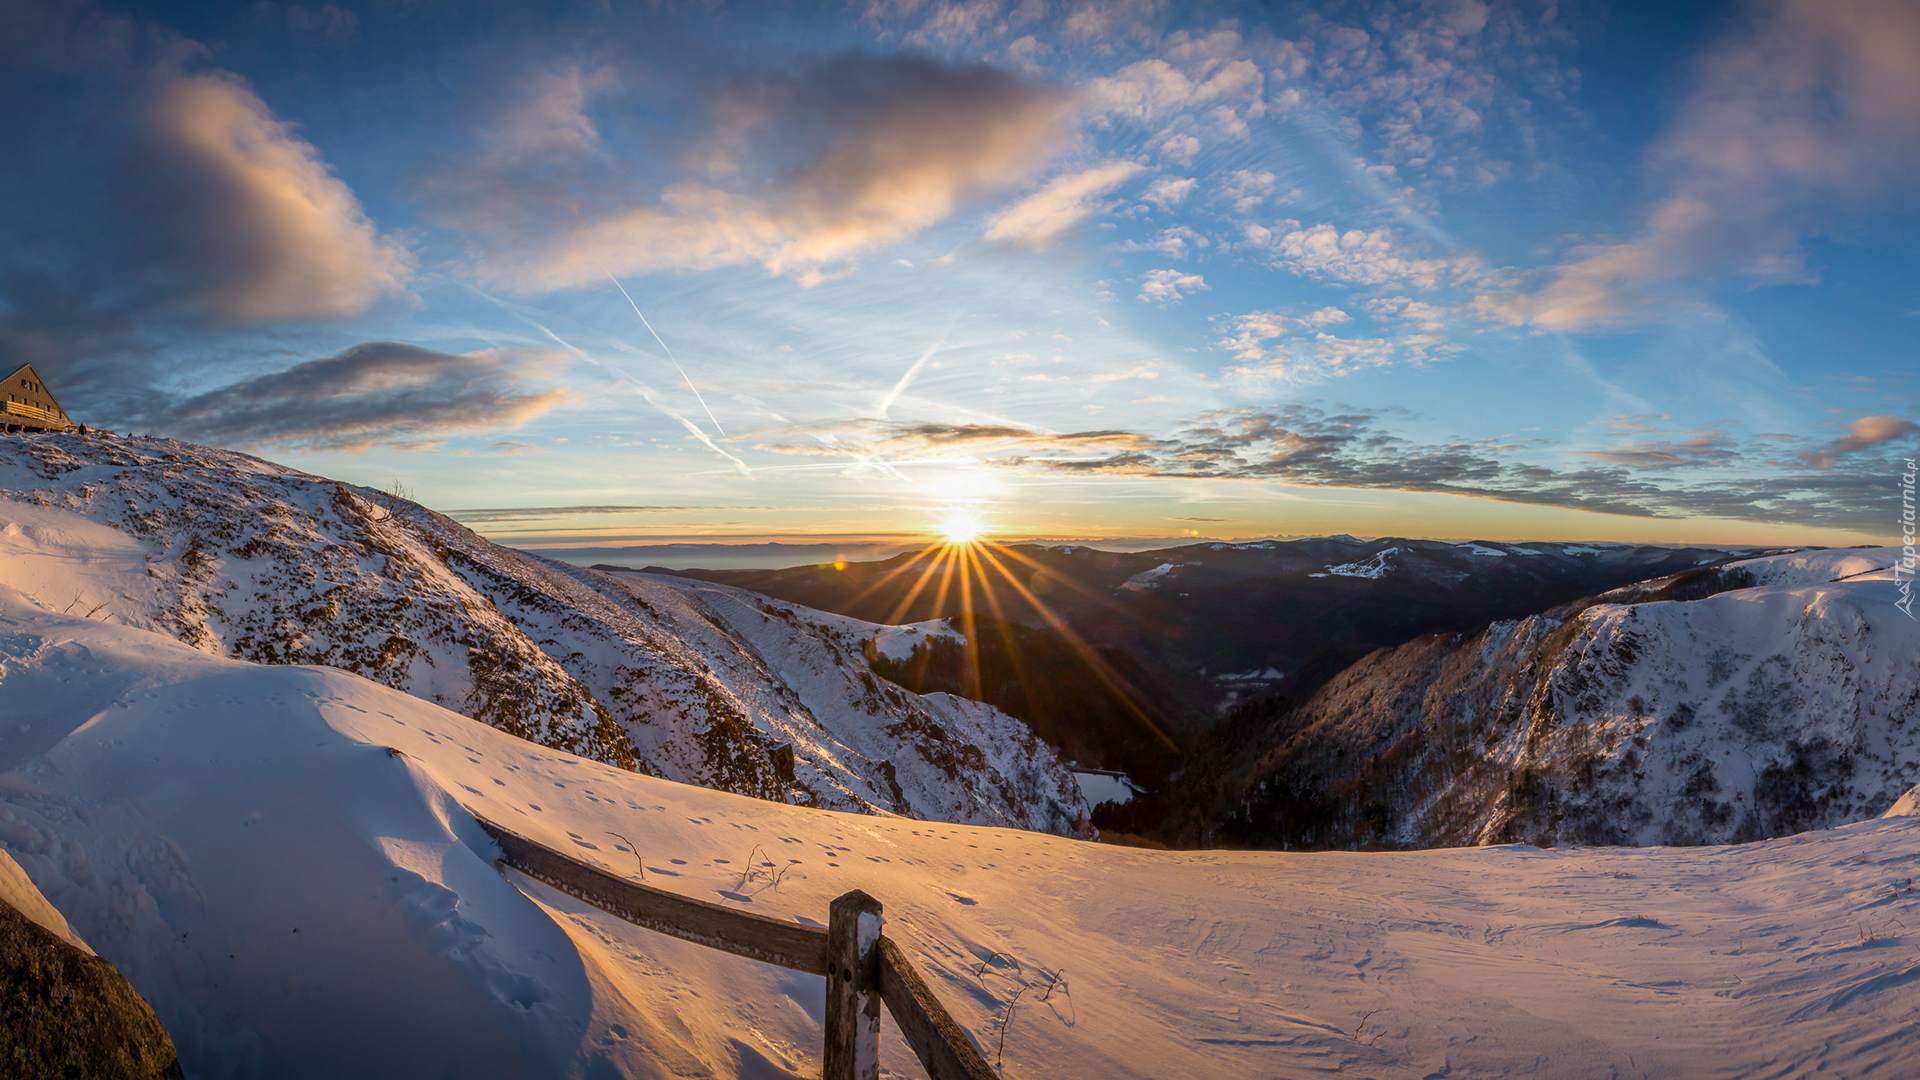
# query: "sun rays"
(992, 576)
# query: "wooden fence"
(863, 967)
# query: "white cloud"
(1139, 369)
(1172, 242)
(1180, 148)
(1169, 286)
(1170, 191)
(1248, 188)
(1149, 89)
(1356, 257)
(1276, 344)
(1059, 205)
(1415, 313)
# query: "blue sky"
(631, 273)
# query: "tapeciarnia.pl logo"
(1903, 569)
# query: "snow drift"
(284, 861)
(690, 681)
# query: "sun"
(961, 528)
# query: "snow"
(687, 680)
(897, 643)
(1580, 549)
(17, 889)
(1151, 579)
(1099, 787)
(297, 900)
(1907, 805)
(1756, 712)
(1818, 567)
(1482, 549)
(1374, 567)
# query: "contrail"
(912, 372)
(663, 345)
(639, 385)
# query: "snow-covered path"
(296, 900)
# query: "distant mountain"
(690, 681)
(1201, 628)
(1766, 697)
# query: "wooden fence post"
(853, 992)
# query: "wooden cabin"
(27, 405)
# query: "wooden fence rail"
(864, 968)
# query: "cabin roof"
(26, 371)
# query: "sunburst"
(961, 528)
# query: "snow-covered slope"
(284, 862)
(1768, 697)
(694, 682)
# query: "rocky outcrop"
(66, 1014)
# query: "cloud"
(332, 22)
(1314, 446)
(1169, 286)
(141, 185)
(1712, 449)
(1808, 111)
(798, 171)
(1436, 82)
(1417, 314)
(233, 214)
(548, 513)
(1862, 434)
(1292, 346)
(1059, 205)
(1139, 369)
(1172, 242)
(1355, 256)
(1180, 148)
(1153, 88)
(1170, 191)
(379, 392)
(1309, 446)
(869, 439)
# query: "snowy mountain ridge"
(695, 682)
(285, 861)
(1761, 698)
